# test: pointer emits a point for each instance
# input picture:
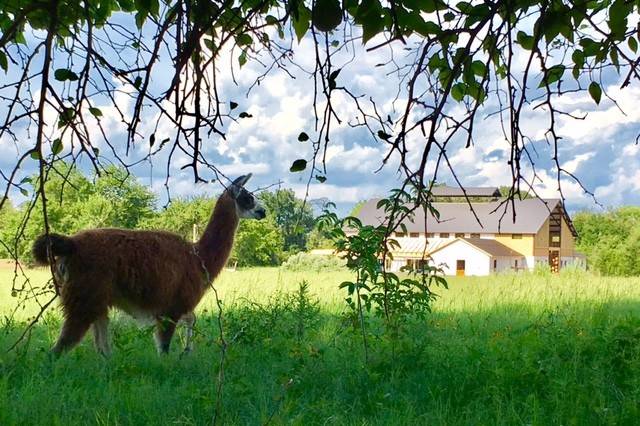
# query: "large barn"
(464, 243)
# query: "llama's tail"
(60, 246)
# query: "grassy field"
(513, 349)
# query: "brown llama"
(150, 274)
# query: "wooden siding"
(522, 245)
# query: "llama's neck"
(214, 247)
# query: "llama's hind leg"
(189, 321)
(101, 335)
(165, 327)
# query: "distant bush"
(312, 263)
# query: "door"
(460, 268)
(554, 261)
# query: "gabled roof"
(491, 247)
(495, 218)
(453, 191)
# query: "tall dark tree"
(293, 216)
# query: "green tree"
(291, 215)
(181, 215)
(258, 243)
(610, 240)
(113, 199)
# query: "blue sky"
(600, 150)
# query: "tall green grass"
(508, 349)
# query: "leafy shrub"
(312, 263)
(291, 313)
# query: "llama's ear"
(242, 180)
(238, 184)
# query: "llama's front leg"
(73, 330)
(189, 321)
(101, 335)
(165, 327)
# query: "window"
(516, 236)
(475, 235)
(459, 235)
(430, 235)
(516, 263)
(495, 263)
(414, 234)
(444, 235)
(400, 234)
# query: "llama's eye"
(245, 200)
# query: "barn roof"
(453, 191)
(419, 247)
(491, 247)
(496, 217)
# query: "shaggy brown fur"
(144, 273)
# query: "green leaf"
(595, 91)
(458, 91)
(479, 68)
(369, 15)
(321, 179)
(303, 137)
(95, 111)
(332, 78)
(137, 82)
(298, 166)
(141, 16)
(4, 64)
(244, 40)
(553, 74)
(242, 59)
(63, 74)
(302, 23)
(590, 47)
(233, 105)
(633, 45)
(57, 147)
(35, 155)
(618, 13)
(209, 44)
(245, 115)
(26, 194)
(525, 40)
(96, 151)
(383, 135)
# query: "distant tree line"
(116, 199)
(610, 240)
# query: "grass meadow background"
(530, 349)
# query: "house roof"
(418, 247)
(453, 191)
(531, 214)
(491, 247)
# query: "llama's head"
(247, 205)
